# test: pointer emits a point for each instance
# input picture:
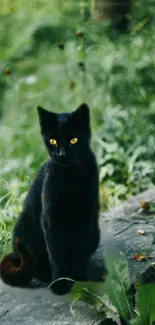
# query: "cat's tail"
(17, 269)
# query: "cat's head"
(66, 135)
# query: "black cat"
(58, 229)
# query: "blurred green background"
(55, 54)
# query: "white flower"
(31, 80)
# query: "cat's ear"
(43, 114)
(47, 119)
(82, 115)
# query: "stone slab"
(119, 228)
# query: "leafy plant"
(114, 298)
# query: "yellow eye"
(53, 142)
(74, 140)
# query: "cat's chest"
(67, 183)
(68, 193)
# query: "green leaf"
(101, 303)
(145, 305)
(118, 288)
(112, 297)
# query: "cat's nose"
(62, 152)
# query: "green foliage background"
(117, 81)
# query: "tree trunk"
(116, 11)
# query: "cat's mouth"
(66, 161)
(61, 160)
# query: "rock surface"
(43, 311)
(119, 227)
(124, 223)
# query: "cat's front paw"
(61, 286)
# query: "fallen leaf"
(140, 258)
(141, 232)
(145, 205)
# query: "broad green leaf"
(145, 305)
(118, 288)
(101, 303)
(115, 290)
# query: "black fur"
(59, 222)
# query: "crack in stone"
(4, 313)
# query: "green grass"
(117, 83)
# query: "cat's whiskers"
(76, 163)
(55, 162)
(79, 163)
